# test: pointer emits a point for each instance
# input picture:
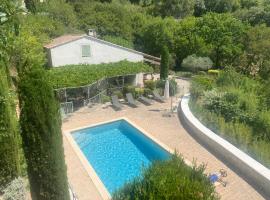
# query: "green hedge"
(9, 151)
(171, 179)
(42, 138)
(80, 75)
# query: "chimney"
(92, 32)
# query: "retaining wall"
(251, 170)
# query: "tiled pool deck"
(168, 130)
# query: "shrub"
(119, 94)
(129, 89)
(235, 107)
(194, 63)
(105, 99)
(150, 84)
(201, 73)
(184, 74)
(79, 75)
(205, 81)
(135, 91)
(15, 190)
(138, 92)
(171, 179)
(173, 86)
(147, 92)
(213, 72)
(42, 138)
(9, 162)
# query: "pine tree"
(42, 139)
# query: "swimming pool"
(117, 151)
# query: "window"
(86, 51)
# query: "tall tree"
(199, 8)
(9, 162)
(9, 137)
(164, 66)
(174, 8)
(222, 6)
(187, 41)
(256, 57)
(42, 138)
(31, 5)
(223, 35)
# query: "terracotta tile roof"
(62, 40)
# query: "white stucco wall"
(70, 53)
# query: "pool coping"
(88, 167)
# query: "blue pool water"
(117, 151)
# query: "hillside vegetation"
(236, 107)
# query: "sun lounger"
(217, 178)
(145, 100)
(158, 97)
(131, 100)
(116, 103)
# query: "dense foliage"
(9, 162)
(221, 29)
(194, 63)
(164, 65)
(229, 32)
(42, 138)
(79, 75)
(171, 179)
(235, 106)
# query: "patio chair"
(131, 100)
(158, 97)
(115, 103)
(146, 100)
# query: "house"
(88, 49)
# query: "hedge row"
(80, 75)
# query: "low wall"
(251, 170)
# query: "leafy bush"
(171, 179)
(105, 99)
(150, 84)
(240, 134)
(135, 91)
(194, 63)
(213, 72)
(234, 106)
(147, 92)
(119, 94)
(15, 190)
(184, 74)
(172, 83)
(79, 75)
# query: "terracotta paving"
(168, 130)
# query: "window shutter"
(86, 51)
